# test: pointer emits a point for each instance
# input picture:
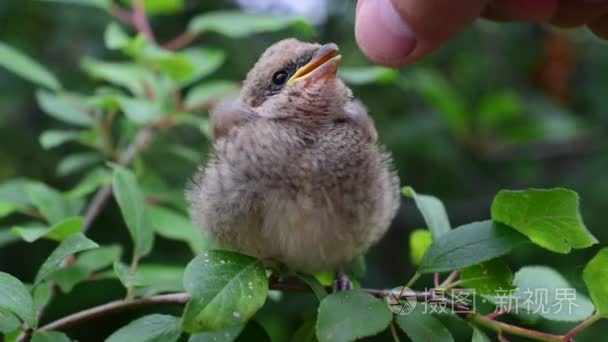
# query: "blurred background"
(503, 106)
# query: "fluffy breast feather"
(311, 199)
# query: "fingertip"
(382, 34)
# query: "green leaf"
(115, 37)
(90, 182)
(350, 315)
(65, 107)
(432, 211)
(499, 107)
(150, 328)
(132, 205)
(204, 93)
(128, 75)
(550, 218)
(420, 241)
(487, 277)
(41, 295)
(159, 279)
(223, 22)
(53, 138)
(7, 208)
(51, 203)
(204, 60)
(93, 3)
(371, 74)
(72, 245)
(314, 284)
(68, 277)
(58, 232)
(15, 297)
(77, 162)
(433, 87)
(7, 238)
(140, 111)
(226, 335)
(154, 7)
(8, 321)
(421, 326)
(306, 332)
(99, 258)
(50, 336)
(226, 289)
(26, 67)
(542, 291)
(172, 225)
(596, 278)
(479, 336)
(87, 262)
(129, 280)
(469, 245)
(14, 192)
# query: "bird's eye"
(279, 78)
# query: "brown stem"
(499, 313)
(449, 279)
(140, 20)
(182, 298)
(122, 14)
(577, 329)
(181, 41)
(511, 329)
(114, 307)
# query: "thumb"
(399, 32)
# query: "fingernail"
(381, 32)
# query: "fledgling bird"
(295, 174)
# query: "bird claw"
(341, 282)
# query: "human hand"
(399, 32)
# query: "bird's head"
(296, 80)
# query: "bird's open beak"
(324, 63)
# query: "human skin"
(396, 33)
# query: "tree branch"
(114, 307)
(182, 298)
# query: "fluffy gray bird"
(295, 175)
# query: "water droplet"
(236, 314)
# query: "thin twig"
(114, 307)
(448, 281)
(122, 14)
(394, 332)
(577, 329)
(436, 280)
(140, 20)
(142, 140)
(181, 41)
(500, 312)
(512, 329)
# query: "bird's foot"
(341, 282)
